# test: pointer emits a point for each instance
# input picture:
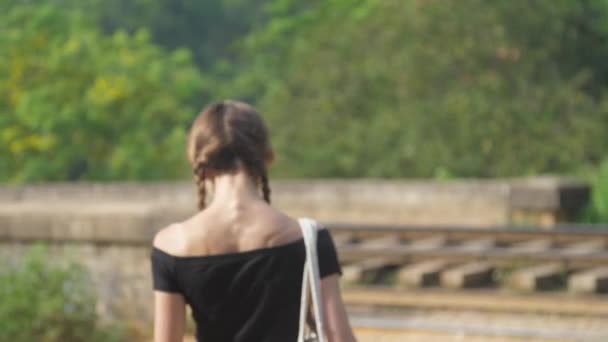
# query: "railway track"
(573, 258)
(460, 284)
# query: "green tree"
(432, 88)
(75, 104)
(208, 28)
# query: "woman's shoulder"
(176, 238)
(169, 239)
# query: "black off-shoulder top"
(251, 296)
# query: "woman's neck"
(234, 189)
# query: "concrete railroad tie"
(425, 273)
(590, 281)
(541, 277)
(473, 274)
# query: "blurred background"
(396, 103)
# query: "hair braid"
(265, 186)
(199, 177)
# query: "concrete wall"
(471, 202)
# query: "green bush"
(597, 210)
(43, 302)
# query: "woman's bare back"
(229, 229)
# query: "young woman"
(238, 262)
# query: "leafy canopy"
(77, 104)
(350, 88)
(432, 88)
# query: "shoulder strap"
(311, 280)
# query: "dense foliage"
(77, 104)
(434, 88)
(350, 88)
(48, 303)
(207, 28)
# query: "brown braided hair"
(224, 136)
(199, 178)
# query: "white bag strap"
(311, 280)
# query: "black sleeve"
(328, 258)
(163, 271)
